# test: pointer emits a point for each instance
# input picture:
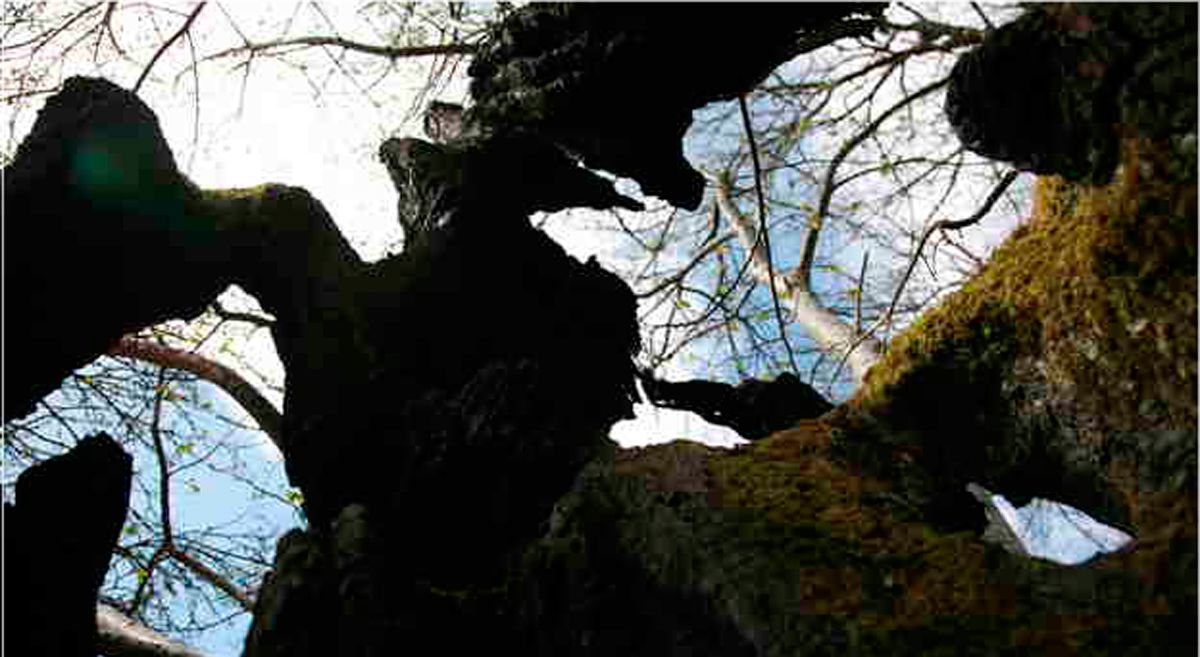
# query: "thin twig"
(107, 22)
(232, 315)
(807, 256)
(54, 414)
(862, 281)
(944, 224)
(142, 594)
(762, 232)
(195, 104)
(213, 577)
(383, 51)
(986, 21)
(167, 44)
(703, 253)
(949, 224)
(253, 402)
(47, 36)
(164, 474)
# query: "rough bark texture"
(617, 88)
(441, 402)
(1053, 91)
(57, 542)
(450, 372)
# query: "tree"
(244, 212)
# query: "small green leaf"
(294, 496)
(184, 448)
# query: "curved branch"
(259, 408)
(949, 224)
(166, 44)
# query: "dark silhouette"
(753, 408)
(58, 539)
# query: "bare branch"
(982, 15)
(825, 327)
(259, 408)
(120, 636)
(213, 577)
(763, 233)
(45, 37)
(187, 24)
(858, 294)
(678, 276)
(804, 271)
(234, 316)
(383, 51)
(945, 224)
(164, 472)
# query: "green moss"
(1081, 325)
(803, 555)
(1093, 266)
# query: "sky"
(310, 127)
